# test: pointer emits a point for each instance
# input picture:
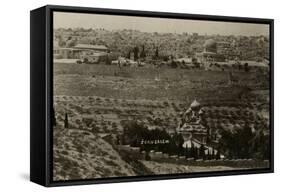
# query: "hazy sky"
(162, 25)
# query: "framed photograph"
(122, 95)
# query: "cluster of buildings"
(219, 55)
(209, 52)
(82, 52)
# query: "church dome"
(195, 104)
(210, 45)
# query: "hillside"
(81, 155)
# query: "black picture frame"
(41, 93)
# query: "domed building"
(210, 45)
(191, 123)
(210, 53)
(195, 132)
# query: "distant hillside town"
(143, 49)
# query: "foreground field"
(81, 154)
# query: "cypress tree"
(218, 155)
(192, 150)
(195, 153)
(136, 53)
(202, 152)
(66, 121)
(129, 54)
(208, 155)
(142, 54)
(186, 152)
(156, 53)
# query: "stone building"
(191, 125)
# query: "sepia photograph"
(143, 96)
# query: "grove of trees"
(136, 132)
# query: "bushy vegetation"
(138, 135)
(244, 144)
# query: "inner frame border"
(50, 9)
